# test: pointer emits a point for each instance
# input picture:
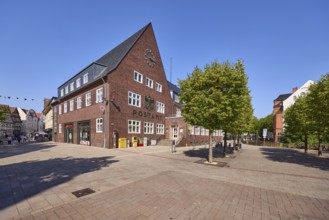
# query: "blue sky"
(282, 43)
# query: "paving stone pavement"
(37, 181)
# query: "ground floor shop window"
(84, 133)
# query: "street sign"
(264, 132)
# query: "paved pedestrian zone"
(50, 180)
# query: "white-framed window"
(202, 131)
(62, 92)
(134, 127)
(148, 128)
(134, 99)
(192, 130)
(88, 99)
(85, 78)
(160, 107)
(79, 102)
(60, 109)
(138, 77)
(72, 86)
(66, 89)
(160, 129)
(60, 128)
(149, 82)
(65, 107)
(99, 125)
(178, 112)
(71, 105)
(197, 130)
(158, 87)
(99, 95)
(78, 82)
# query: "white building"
(302, 91)
(29, 121)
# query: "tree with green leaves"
(297, 123)
(4, 111)
(215, 98)
(318, 104)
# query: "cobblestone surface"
(37, 181)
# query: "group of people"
(13, 139)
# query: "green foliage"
(308, 118)
(261, 123)
(218, 97)
(4, 111)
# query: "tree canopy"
(309, 116)
(217, 98)
(4, 111)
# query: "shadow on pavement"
(13, 150)
(203, 152)
(20, 181)
(296, 157)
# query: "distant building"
(17, 123)
(282, 103)
(29, 121)
(6, 125)
(49, 116)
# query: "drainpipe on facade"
(105, 113)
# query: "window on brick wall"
(71, 105)
(160, 129)
(79, 102)
(134, 127)
(134, 99)
(88, 99)
(148, 128)
(99, 125)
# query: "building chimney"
(294, 89)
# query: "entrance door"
(175, 133)
(68, 135)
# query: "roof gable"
(113, 58)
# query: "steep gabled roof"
(113, 58)
(283, 97)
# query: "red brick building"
(124, 94)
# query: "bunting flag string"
(19, 98)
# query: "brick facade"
(116, 84)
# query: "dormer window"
(66, 89)
(72, 86)
(85, 78)
(78, 83)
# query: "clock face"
(149, 57)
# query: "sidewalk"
(37, 181)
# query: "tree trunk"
(225, 143)
(210, 157)
(306, 143)
(319, 148)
